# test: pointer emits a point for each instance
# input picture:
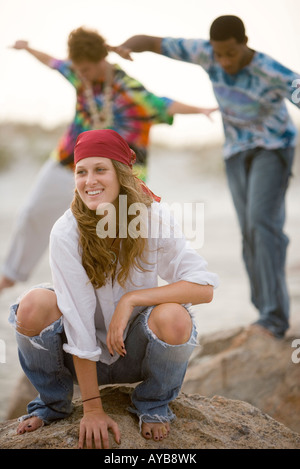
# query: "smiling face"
(96, 181)
(232, 55)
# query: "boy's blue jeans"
(160, 368)
(258, 180)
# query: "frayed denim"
(159, 368)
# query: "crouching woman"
(106, 320)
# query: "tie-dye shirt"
(134, 110)
(251, 102)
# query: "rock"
(250, 367)
(202, 423)
(23, 393)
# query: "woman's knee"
(171, 323)
(37, 310)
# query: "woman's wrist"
(91, 405)
(90, 399)
(130, 299)
(143, 297)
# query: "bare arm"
(41, 56)
(181, 292)
(180, 108)
(95, 422)
(139, 43)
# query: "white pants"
(49, 198)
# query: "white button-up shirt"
(87, 311)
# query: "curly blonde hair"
(86, 44)
(96, 258)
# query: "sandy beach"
(177, 175)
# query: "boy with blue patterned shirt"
(260, 138)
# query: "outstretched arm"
(180, 108)
(41, 56)
(139, 43)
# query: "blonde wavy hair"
(96, 258)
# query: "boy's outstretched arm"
(139, 43)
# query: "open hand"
(122, 51)
(208, 111)
(94, 427)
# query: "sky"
(32, 93)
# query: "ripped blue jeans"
(159, 367)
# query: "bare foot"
(158, 431)
(29, 425)
(6, 283)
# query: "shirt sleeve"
(75, 297)
(196, 51)
(177, 260)
(285, 80)
(154, 107)
(64, 67)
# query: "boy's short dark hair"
(227, 27)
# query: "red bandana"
(105, 143)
